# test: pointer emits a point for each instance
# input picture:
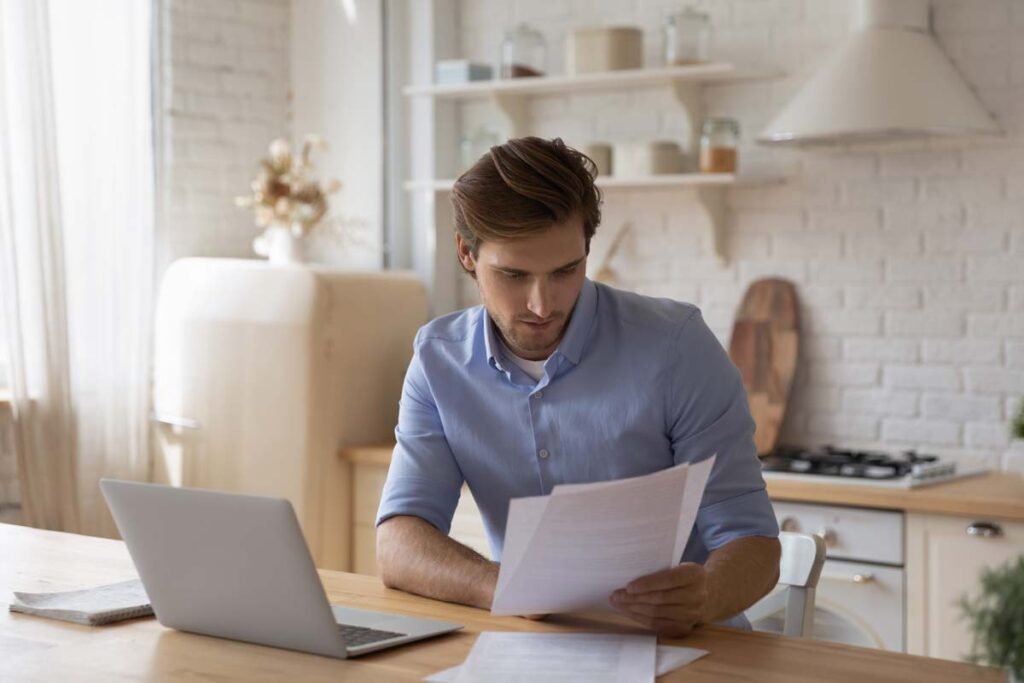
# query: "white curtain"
(77, 223)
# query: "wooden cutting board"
(764, 345)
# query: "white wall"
(239, 73)
(225, 72)
(908, 261)
(336, 91)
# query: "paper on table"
(572, 549)
(537, 657)
(666, 658)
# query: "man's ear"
(465, 253)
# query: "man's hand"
(734, 577)
(671, 602)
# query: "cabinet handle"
(984, 529)
(854, 578)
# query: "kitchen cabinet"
(369, 470)
(945, 557)
(259, 375)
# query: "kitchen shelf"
(712, 72)
(637, 182)
(708, 192)
(434, 134)
(509, 95)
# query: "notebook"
(91, 606)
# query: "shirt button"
(543, 453)
(539, 395)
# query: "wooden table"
(35, 649)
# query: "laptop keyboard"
(357, 636)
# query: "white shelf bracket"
(513, 109)
(711, 200)
(688, 96)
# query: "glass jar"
(473, 146)
(523, 53)
(687, 35)
(719, 138)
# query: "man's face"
(529, 285)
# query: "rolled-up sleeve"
(709, 414)
(424, 480)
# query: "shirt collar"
(491, 344)
(576, 335)
(580, 324)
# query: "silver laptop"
(237, 566)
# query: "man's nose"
(540, 298)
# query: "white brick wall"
(225, 71)
(909, 261)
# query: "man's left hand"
(671, 602)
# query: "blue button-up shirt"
(636, 385)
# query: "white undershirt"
(533, 368)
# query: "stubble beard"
(523, 346)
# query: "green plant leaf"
(996, 616)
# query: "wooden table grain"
(36, 649)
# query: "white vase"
(283, 247)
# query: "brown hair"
(524, 186)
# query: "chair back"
(799, 570)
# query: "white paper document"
(667, 658)
(572, 549)
(594, 657)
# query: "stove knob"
(829, 536)
(789, 524)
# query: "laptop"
(237, 566)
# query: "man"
(557, 379)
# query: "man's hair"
(525, 186)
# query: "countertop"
(995, 494)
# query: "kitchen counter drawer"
(850, 533)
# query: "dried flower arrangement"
(284, 195)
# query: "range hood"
(889, 81)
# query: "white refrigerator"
(263, 373)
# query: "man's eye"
(566, 271)
(513, 276)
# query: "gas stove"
(908, 469)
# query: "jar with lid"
(719, 138)
(523, 53)
(687, 35)
(472, 146)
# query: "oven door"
(855, 604)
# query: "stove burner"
(840, 462)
